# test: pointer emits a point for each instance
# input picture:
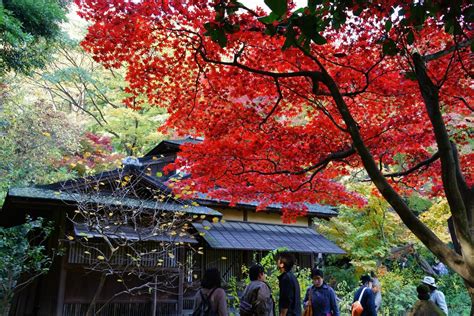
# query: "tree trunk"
(90, 309)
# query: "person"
(440, 268)
(425, 307)
(436, 296)
(377, 289)
(257, 294)
(323, 297)
(211, 295)
(290, 301)
(367, 298)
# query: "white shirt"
(438, 298)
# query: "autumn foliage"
(294, 103)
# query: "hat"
(365, 278)
(429, 281)
(316, 272)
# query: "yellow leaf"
(46, 134)
(70, 237)
(215, 219)
(101, 257)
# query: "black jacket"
(289, 294)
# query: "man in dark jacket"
(290, 300)
(368, 297)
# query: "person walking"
(377, 289)
(365, 297)
(436, 296)
(290, 300)
(320, 296)
(210, 300)
(425, 307)
(257, 298)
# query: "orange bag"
(308, 310)
(357, 308)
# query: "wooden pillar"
(180, 291)
(155, 297)
(61, 221)
(61, 288)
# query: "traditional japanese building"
(218, 236)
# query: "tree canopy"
(25, 28)
(293, 103)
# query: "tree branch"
(414, 168)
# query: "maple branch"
(414, 168)
(235, 63)
(465, 102)
(280, 97)
(335, 156)
(318, 105)
(445, 52)
(365, 73)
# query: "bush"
(398, 292)
(457, 298)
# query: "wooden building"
(239, 235)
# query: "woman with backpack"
(364, 298)
(210, 300)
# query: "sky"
(252, 4)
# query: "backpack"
(248, 303)
(357, 308)
(205, 308)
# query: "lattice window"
(151, 256)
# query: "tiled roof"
(66, 197)
(256, 236)
(130, 233)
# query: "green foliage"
(136, 129)
(233, 289)
(398, 291)
(367, 234)
(76, 82)
(26, 26)
(33, 136)
(457, 297)
(23, 257)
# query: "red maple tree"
(292, 103)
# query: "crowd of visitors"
(319, 299)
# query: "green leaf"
(390, 48)
(410, 37)
(272, 17)
(216, 34)
(279, 7)
(318, 39)
(270, 30)
(388, 25)
(410, 75)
